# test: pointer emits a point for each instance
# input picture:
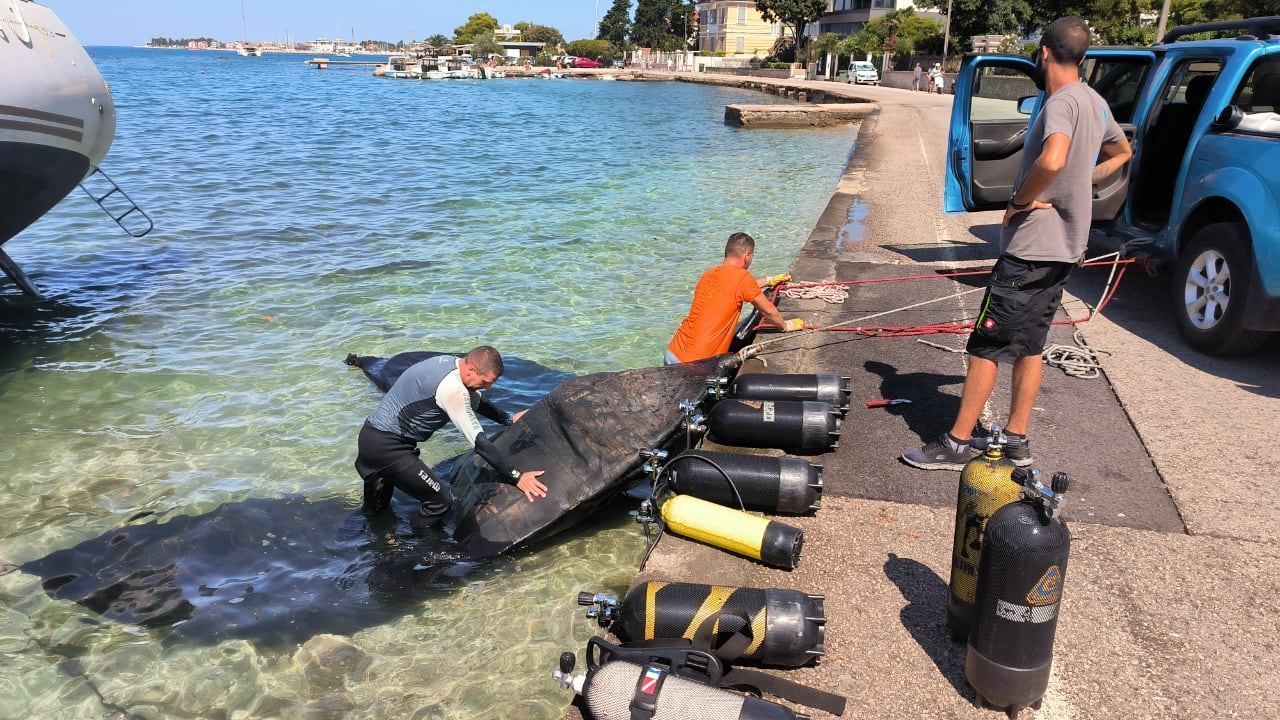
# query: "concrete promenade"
(1172, 599)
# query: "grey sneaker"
(941, 454)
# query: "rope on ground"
(1078, 361)
(940, 346)
(833, 294)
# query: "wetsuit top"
(430, 394)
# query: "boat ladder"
(119, 208)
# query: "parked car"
(863, 73)
(1203, 189)
(585, 62)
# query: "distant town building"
(735, 27)
(846, 17)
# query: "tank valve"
(564, 676)
(601, 607)
(694, 421)
(1047, 497)
(653, 461)
(717, 387)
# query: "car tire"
(1214, 272)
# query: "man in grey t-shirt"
(1072, 144)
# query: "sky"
(134, 22)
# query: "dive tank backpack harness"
(781, 424)
(829, 388)
(752, 482)
(1020, 583)
(788, 627)
(986, 485)
(677, 680)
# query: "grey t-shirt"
(1062, 233)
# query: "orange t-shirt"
(708, 329)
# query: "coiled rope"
(1080, 360)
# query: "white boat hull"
(57, 119)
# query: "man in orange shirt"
(708, 329)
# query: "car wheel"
(1215, 270)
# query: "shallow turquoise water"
(302, 214)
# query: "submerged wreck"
(276, 570)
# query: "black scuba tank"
(1020, 583)
(769, 484)
(788, 627)
(781, 424)
(829, 388)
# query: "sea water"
(301, 214)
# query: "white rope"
(834, 294)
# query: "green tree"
(602, 50)
(475, 24)
(794, 14)
(544, 59)
(532, 32)
(615, 26)
(825, 43)
(916, 35)
(437, 40)
(662, 24)
(484, 45)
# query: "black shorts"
(1018, 308)
(386, 461)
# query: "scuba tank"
(758, 538)
(674, 680)
(788, 626)
(985, 486)
(829, 388)
(1020, 581)
(782, 424)
(754, 482)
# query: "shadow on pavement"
(930, 411)
(1142, 306)
(925, 617)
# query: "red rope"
(953, 327)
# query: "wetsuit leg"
(412, 476)
(386, 462)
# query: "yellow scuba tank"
(986, 485)
(758, 538)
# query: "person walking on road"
(916, 75)
(1073, 144)
(938, 77)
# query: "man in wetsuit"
(429, 394)
(707, 331)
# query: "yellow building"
(734, 27)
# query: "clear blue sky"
(133, 22)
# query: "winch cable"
(1118, 267)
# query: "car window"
(1259, 98)
(996, 91)
(1186, 75)
(1118, 81)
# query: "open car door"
(984, 149)
(992, 111)
(1119, 75)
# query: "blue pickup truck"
(1203, 189)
